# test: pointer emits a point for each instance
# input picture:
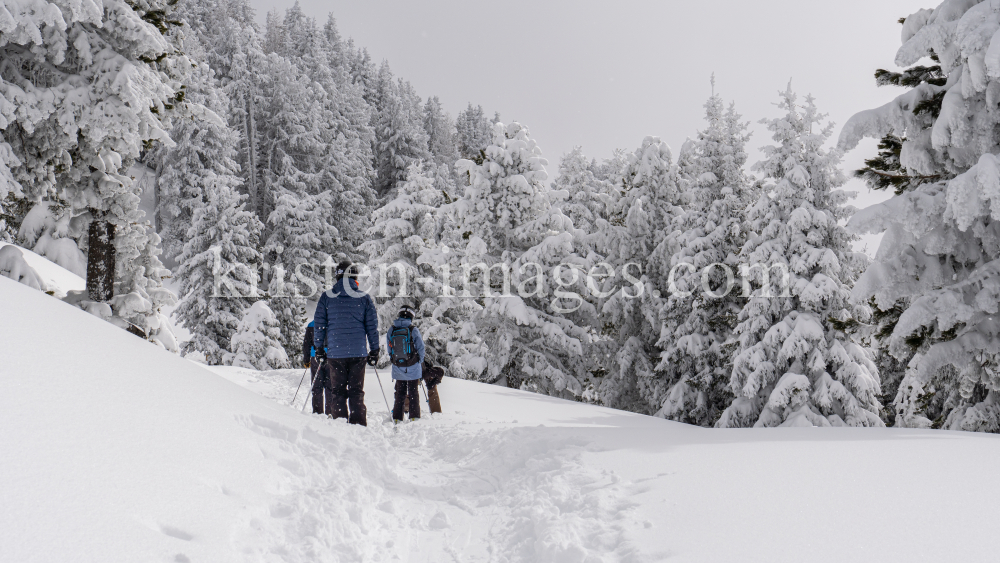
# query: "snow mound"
(116, 450)
(13, 266)
(55, 278)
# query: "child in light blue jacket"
(406, 352)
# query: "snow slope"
(115, 450)
(57, 279)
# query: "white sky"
(604, 75)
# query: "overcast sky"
(604, 75)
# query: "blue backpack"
(401, 351)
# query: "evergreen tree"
(257, 342)
(91, 88)
(474, 132)
(886, 171)
(231, 46)
(222, 243)
(700, 314)
(529, 340)
(12, 203)
(403, 230)
(440, 133)
(203, 154)
(400, 139)
(289, 308)
(794, 364)
(937, 260)
(50, 230)
(641, 221)
(589, 198)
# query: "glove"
(373, 357)
(320, 356)
(305, 364)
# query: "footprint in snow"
(175, 533)
(439, 521)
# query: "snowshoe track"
(437, 489)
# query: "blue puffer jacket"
(343, 322)
(415, 371)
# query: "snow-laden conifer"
(589, 198)
(218, 270)
(400, 138)
(938, 258)
(257, 342)
(51, 230)
(794, 364)
(641, 221)
(86, 88)
(440, 133)
(203, 155)
(701, 312)
(530, 336)
(403, 230)
(474, 132)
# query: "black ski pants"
(321, 388)
(406, 389)
(347, 386)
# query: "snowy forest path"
(447, 487)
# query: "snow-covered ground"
(115, 450)
(57, 279)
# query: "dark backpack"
(401, 351)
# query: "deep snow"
(112, 449)
(57, 279)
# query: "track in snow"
(445, 488)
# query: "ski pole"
(426, 398)
(309, 394)
(300, 385)
(383, 391)
(319, 373)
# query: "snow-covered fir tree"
(443, 310)
(641, 223)
(203, 155)
(794, 364)
(85, 89)
(342, 119)
(939, 255)
(257, 342)
(530, 339)
(474, 132)
(440, 133)
(218, 270)
(701, 311)
(884, 172)
(589, 197)
(400, 138)
(404, 229)
(288, 304)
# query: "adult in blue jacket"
(407, 377)
(344, 323)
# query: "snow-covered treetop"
(507, 191)
(800, 168)
(89, 83)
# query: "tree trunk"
(101, 261)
